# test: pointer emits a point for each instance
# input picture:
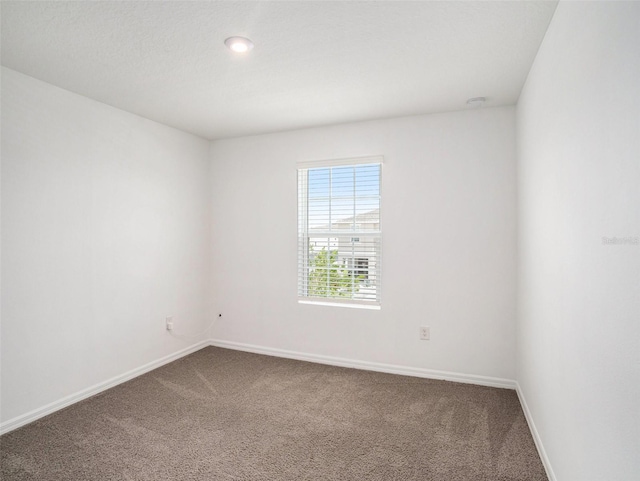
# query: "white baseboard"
(534, 433)
(369, 366)
(31, 416)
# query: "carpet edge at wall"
(534, 433)
(50, 408)
(369, 366)
(66, 401)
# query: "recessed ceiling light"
(239, 44)
(476, 101)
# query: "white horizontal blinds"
(339, 236)
(314, 164)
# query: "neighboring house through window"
(339, 235)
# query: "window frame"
(304, 234)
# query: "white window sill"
(352, 305)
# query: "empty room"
(320, 240)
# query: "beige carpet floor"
(220, 414)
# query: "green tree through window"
(328, 277)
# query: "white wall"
(579, 300)
(105, 231)
(448, 216)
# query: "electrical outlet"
(425, 333)
(169, 323)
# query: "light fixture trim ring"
(476, 101)
(239, 44)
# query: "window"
(339, 236)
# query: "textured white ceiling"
(314, 62)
